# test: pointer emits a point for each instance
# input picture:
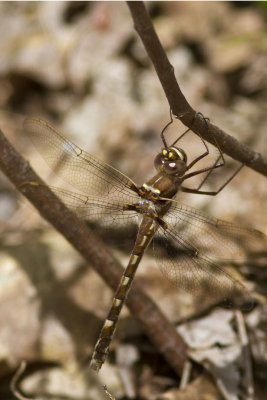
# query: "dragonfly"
(110, 198)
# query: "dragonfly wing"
(115, 225)
(97, 210)
(189, 269)
(80, 169)
(218, 239)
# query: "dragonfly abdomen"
(146, 231)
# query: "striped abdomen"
(146, 231)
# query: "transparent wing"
(188, 248)
(216, 238)
(75, 166)
(115, 225)
(190, 270)
(105, 213)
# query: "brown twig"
(178, 103)
(157, 327)
(248, 383)
(14, 382)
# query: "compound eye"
(170, 167)
(177, 154)
(159, 162)
(177, 167)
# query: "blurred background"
(82, 67)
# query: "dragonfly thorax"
(147, 207)
(171, 161)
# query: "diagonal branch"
(157, 327)
(178, 103)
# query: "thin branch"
(248, 383)
(14, 382)
(178, 103)
(157, 327)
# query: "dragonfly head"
(172, 160)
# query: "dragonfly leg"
(167, 125)
(184, 133)
(203, 155)
(207, 149)
(208, 174)
(164, 129)
(210, 170)
(211, 193)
